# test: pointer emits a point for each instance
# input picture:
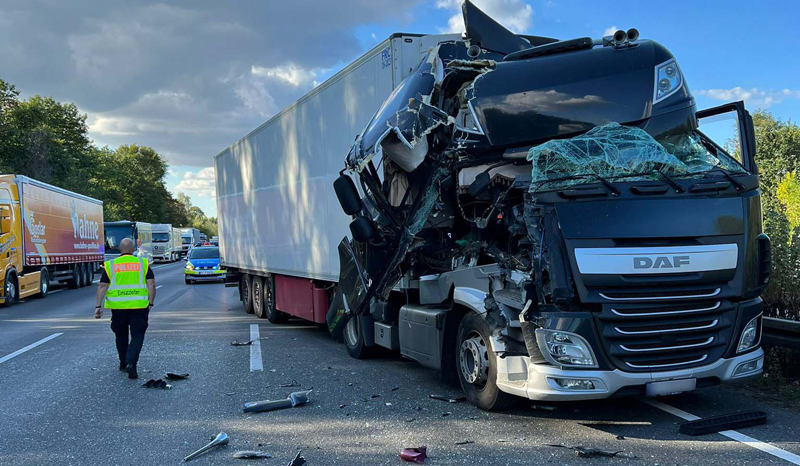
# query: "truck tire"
(247, 293)
(477, 365)
(258, 296)
(89, 274)
(270, 311)
(354, 340)
(44, 282)
(75, 280)
(82, 275)
(10, 291)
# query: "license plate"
(670, 387)
(206, 272)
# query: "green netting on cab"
(614, 151)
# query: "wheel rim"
(256, 296)
(11, 291)
(351, 331)
(44, 285)
(474, 359)
(245, 292)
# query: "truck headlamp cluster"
(668, 80)
(565, 348)
(750, 335)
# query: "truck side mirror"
(732, 126)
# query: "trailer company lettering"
(660, 262)
(83, 228)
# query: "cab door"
(10, 235)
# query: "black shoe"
(131, 370)
(122, 366)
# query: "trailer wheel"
(477, 366)
(10, 289)
(270, 311)
(89, 274)
(247, 293)
(44, 282)
(75, 279)
(82, 275)
(354, 340)
(258, 296)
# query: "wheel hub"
(10, 291)
(351, 331)
(473, 360)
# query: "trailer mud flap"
(350, 292)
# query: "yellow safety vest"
(127, 289)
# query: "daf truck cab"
(140, 232)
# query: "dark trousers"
(133, 321)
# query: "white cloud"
(610, 31)
(288, 73)
(755, 97)
(516, 15)
(201, 183)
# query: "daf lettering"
(660, 262)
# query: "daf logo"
(660, 262)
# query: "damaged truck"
(532, 217)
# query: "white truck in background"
(166, 243)
(189, 237)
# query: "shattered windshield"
(613, 151)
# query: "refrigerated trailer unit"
(532, 217)
(47, 235)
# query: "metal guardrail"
(781, 332)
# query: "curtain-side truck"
(47, 235)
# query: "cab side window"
(6, 219)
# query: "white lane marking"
(29, 347)
(57, 291)
(255, 350)
(731, 434)
(159, 286)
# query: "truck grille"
(648, 335)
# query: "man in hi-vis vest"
(129, 289)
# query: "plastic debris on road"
(218, 441)
(293, 400)
(414, 455)
(251, 455)
(449, 399)
(156, 383)
(584, 452)
(176, 376)
(298, 460)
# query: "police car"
(203, 265)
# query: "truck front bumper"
(516, 375)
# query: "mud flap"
(350, 293)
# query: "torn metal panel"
(487, 33)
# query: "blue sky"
(190, 77)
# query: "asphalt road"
(65, 402)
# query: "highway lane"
(65, 402)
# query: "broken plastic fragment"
(414, 455)
(251, 454)
(298, 460)
(294, 399)
(176, 376)
(156, 383)
(464, 442)
(449, 399)
(220, 440)
(584, 452)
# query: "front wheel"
(477, 366)
(10, 289)
(188, 281)
(354, 340)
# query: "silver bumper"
(517, 376)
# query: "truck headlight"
(189, 266)
(565, 348)
(668, 80)
(750, 335)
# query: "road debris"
(394, 389)
(449, 399)
(447, 413)
(292, 384)
(544, 407)
(732, 421)
(584, 452)
(298, 460)
(293, 400)
(414, 455)
(251, 455)
(247, 343)
(156, 383)
(220, 440)
(176, 376)
(464, 442)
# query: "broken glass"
(613, 151)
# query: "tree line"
(49, 141)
